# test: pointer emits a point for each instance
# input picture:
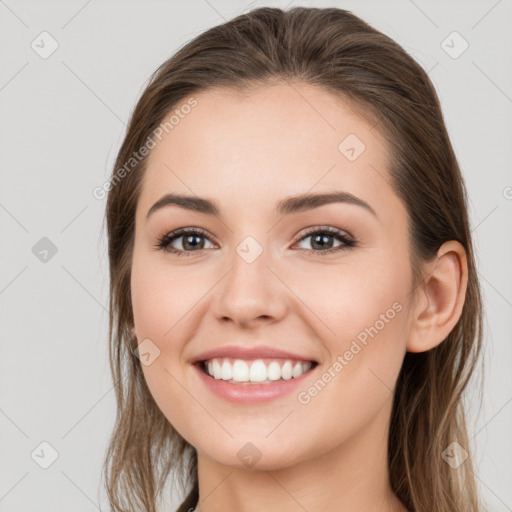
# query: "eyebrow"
(287, 206)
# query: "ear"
(441, 298)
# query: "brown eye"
(187, 241)
(322, 240)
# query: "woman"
(291, 263)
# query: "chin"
(253, 454)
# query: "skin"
(247, 152)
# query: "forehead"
(263, 144)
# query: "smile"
(260, 371)
(250, 382)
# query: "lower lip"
(251, 393)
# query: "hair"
(337, 51)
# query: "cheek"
(353, 295)
(368, 317)
(162, 296)
(167, 385)
(160, 307)
(149, 296)
(364, 308)
(374, 336)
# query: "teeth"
(239, 371)
(226, 371)
(274, 371)
(257, 371)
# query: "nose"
(250, 294)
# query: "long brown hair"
(336, 50)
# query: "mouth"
(256, 371)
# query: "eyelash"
(165, 241)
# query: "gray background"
(62, 121)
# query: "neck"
(351, 477)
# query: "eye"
(323, 239)
(191, 241)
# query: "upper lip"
(238, 352)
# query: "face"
(328, 282)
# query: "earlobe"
(442, 298)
